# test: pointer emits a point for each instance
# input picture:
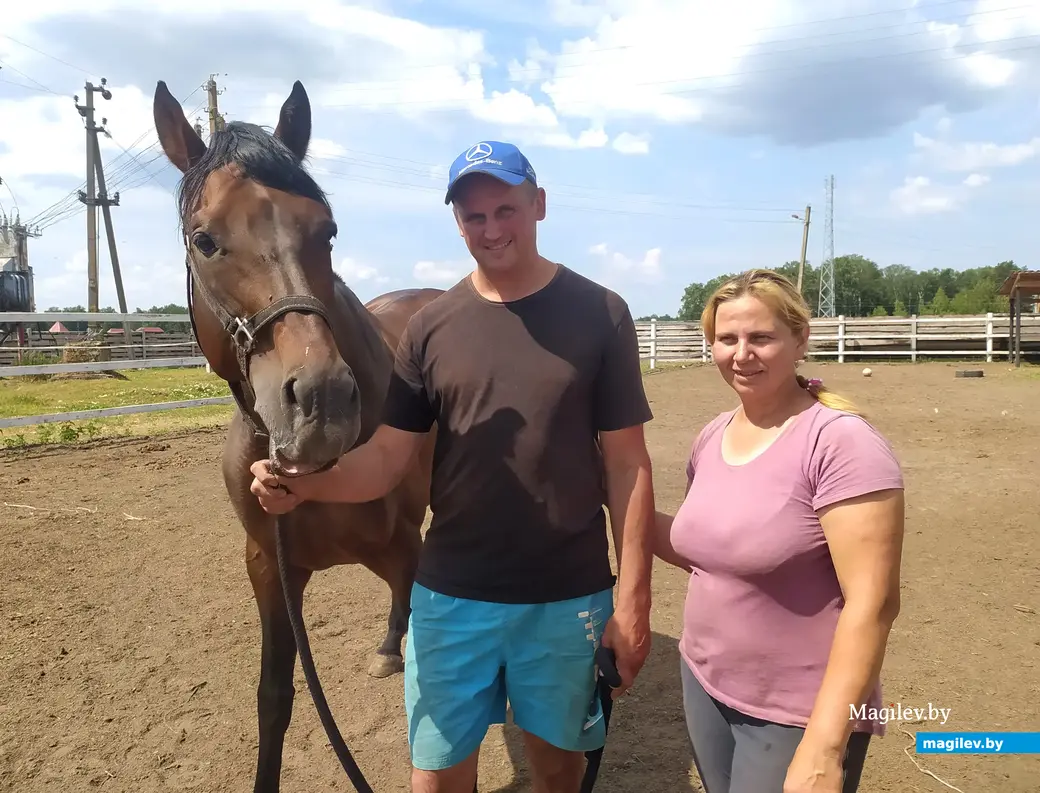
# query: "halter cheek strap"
(243, 331)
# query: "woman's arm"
(865, 535)
(663, 549)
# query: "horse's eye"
(204, 243)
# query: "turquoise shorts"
(465, 658)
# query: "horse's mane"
(258, 155)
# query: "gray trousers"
(735, 753)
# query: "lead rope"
(346, 759)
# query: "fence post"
(704, 348)
(841, 338)
(989, 337)
(913, 338)
(653, 343)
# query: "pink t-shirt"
(763, 599)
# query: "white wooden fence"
(845, 339)
(849, 339)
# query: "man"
(531, 373)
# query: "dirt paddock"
(129, 640)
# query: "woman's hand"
(814, 770)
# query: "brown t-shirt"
(519, 392)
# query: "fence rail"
(863, 338)
(146, 341)
(842, 338)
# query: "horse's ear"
(178, 139)
(294, 122)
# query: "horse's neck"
(365, 350)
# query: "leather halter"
(243, 332)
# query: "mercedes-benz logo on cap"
(478, 152)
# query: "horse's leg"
(396, 565)
(275, 692)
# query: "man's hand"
(627, 633)
(274, 495)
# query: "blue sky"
(674, 139)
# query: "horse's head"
(258, 232)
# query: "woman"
(792, 530)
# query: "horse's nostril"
(289, 390)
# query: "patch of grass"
(1028, 369)
(64, 393)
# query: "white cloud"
(744, 67)
(918, 196)
(323, 148)
(354, 272)
(429, 272)
(390, 64)
(994, 20)
(49, 139)
(533, 69)
(976, 180)
(619, 267)
(975, 156)
(627, 143)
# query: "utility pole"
(216, 120)
(90, 198)
(94, 198)
(805, 242)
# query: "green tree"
(938, 305)
(696, 296)
(863, 288)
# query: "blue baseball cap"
(504, 161)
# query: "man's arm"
(621, 410)
(630, 501)
(363, 474)
(366, 473)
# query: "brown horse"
(308, 365)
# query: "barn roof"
(1025, 281)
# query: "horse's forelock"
(257, 155)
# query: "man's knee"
(553, 770)
(460, 778)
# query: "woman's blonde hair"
(784, 300)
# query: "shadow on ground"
(647, 736)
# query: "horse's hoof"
(386, 665)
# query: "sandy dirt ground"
(129, 639)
